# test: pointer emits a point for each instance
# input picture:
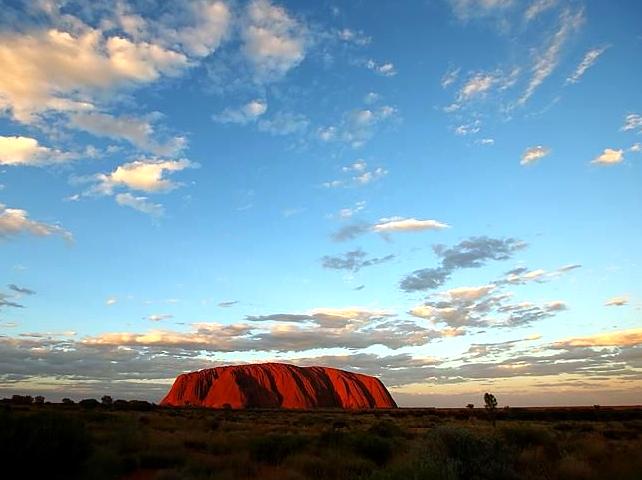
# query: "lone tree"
(107, 401)
(490, 403)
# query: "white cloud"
(111, 301)
(609, 157)
(274, 41)
(400, 224)
(533, 154)
(636, 148)
(618, 338)
(617, 301)
(468, 128)
(470, 293)
(351, 211)
(476, 86)
(546, 61)
(450, 77)
(537, 8)
(245, 114)
(359, 125)
(384, 69)
(14, 221)
(142, 204)
(587, 62)
(284, 123)
(135, 130)
(142, 175)
(632, 121)
(159, 317)
(27, 151)
(58, 70)
(352, 36)
(467, 9)
(196, 27)
(486, 141)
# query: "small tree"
(67, 401)
(106, 400)
(490, 404)
(39, 400)
(470, 406)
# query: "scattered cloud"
(632, 121)
(358, 126)
(142, 204)
(468, 128)
(533, 154)
(537, 7)
(353, 261)
(450, 77)
(383, 69)
(547, 60)
(522, 275)
(273, 41)
(284, 123)
(349, 212)
(228, 303)
(618, 301)
(400, 224)
(587, 62)
(609, 156)
(26, 151)
(21, 290)
(359, 175)
(354, 36)
(469, 9)
(111, 301)
(138, 131)
(14, 221)
(159, 317)
(481, 307)
(249, 112)
(618, 338)
(58, 70)
(146, 175)
(473, 252)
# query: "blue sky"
(441, 193)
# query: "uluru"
(278, 385)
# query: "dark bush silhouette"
(107, 401)
(21, 399)
(490, 404)
(89, 403)
(39, 400)
(43, 445)
(68, 401)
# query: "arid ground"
(136, 440)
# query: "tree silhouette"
(107, 401)
(490, 403)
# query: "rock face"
(278, 385)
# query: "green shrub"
(372, 447)
(273, 449)
(386, 429)
(471, 456)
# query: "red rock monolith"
(277, 385)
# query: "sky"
(442, 193)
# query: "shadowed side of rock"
(278, 385)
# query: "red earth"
(277, 385)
